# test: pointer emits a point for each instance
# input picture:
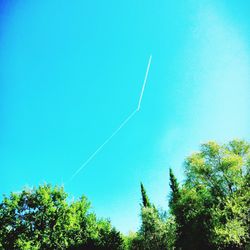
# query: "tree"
(145, 199)
(174, 186)
(41, 218)
(32, 217)
(154, 230)
(213, 202)
(209, 210)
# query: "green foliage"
(157, 232)
(209, 210)
(42, 219)
(153, 229)
(214, 200)
(131, 241)
(174, 186)
(145, 199)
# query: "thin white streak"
(117, 130)
(105, 142)
(144, 83)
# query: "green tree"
(174, 186)
(32, 217)
(41, 218)
(145, 199)
(132, 241)
(209, 210)
(155, 228)
(212, 210)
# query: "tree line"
(210, 209)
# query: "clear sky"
(72, 71)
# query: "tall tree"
(145, 199)
(174, 186)
(212, 211)
(153, 233)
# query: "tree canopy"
(209, 209)
(212, 208)
(41, 218)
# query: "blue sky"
(71, 72)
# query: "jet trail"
(144, 83)
(130, 116)
(105, 142)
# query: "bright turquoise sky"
(71, 72)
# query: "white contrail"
(105, 142)
(144, 83)
(116, 131)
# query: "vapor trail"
(105, 142)
(144, 83)
(130, 116)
